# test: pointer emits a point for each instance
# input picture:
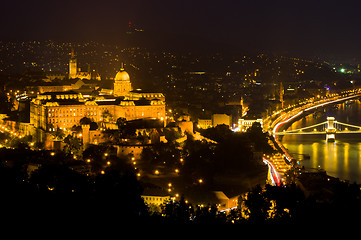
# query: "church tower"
(122, 85)
(73, 66)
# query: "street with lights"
(280, 164)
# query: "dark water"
(341, 158)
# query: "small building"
(216, 119)
(224, 202)
(185, 126)
(244, 124)
(155, 196)
(134, 150)
(219, 119)
(204, 123)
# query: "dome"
(122, 75)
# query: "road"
(278, 166)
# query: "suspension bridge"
(329, 128)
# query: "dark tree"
(259, 139)
(257, 205)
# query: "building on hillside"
(122, 84)
(216, 119)
(78, 85)
(155, 196)
(75, 72)
(204, 123)
(54, 75)
(244, 124)
(64, 109)
(219, 119)
(225, 203)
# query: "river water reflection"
(341, 158)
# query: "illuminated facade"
(244, 124)
(122, 85)
(64, 109)
(73, 65)
(217, 119)
(75, 72)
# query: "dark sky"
(324, 28)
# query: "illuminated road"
(274, 175)
(275, 122)
(289, 114)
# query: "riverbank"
(341, 159)
(286, 119)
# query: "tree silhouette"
(257, 205)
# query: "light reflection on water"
(341, 158)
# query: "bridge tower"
(331, 130)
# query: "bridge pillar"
(331, 130)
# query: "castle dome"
(122, 75)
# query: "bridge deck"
(314, 132)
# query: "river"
(341, 158)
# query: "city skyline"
(160, 111)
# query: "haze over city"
(307, 28)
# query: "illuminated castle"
(51, 110)
(122, 85)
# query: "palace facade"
(64, 109)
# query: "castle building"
(122, 85)
(64, 109)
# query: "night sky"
(306, 28)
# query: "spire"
(72, 54)
(121, 66)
